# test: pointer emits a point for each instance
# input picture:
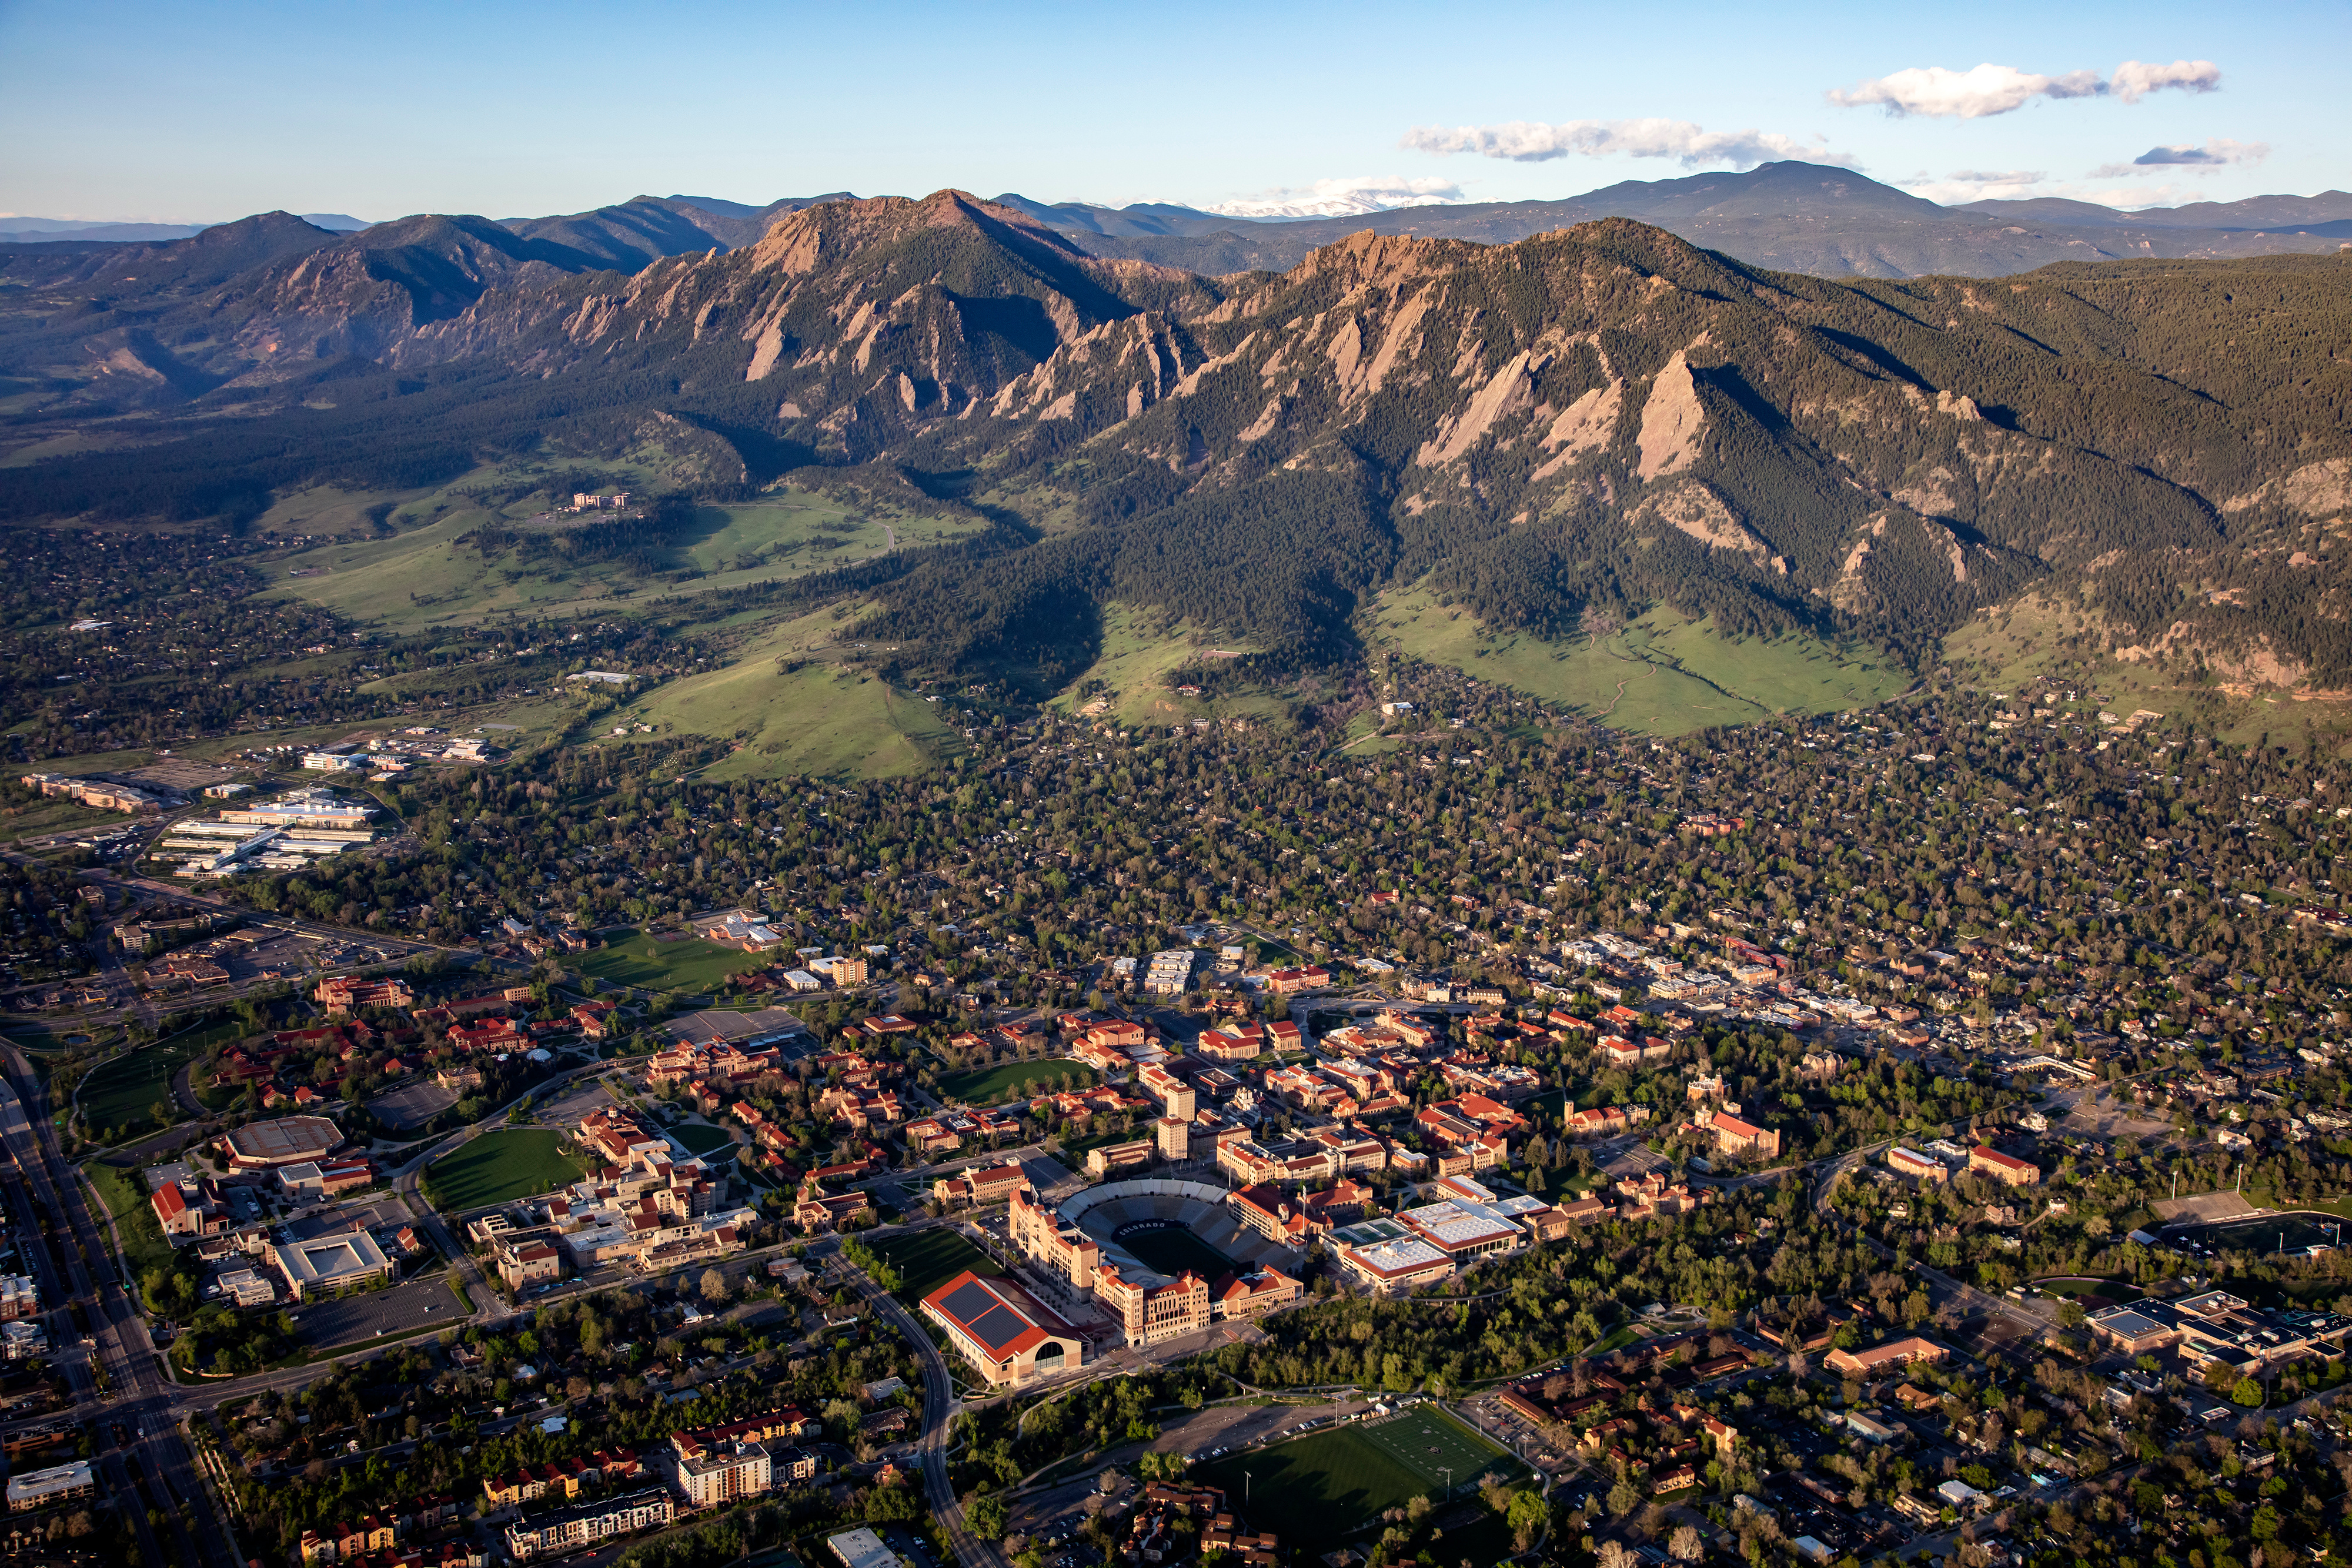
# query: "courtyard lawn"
(928, 1259)
(689, 963)
(1022, 1080)
(498, 1168)
(711, 1143)
(1325, 1486)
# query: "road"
(119, 1382)
(938, 1411)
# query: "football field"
(1326, 1484)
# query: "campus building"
(1007, 1334)
(287, 1141)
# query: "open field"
(2085, 1290)
(498, 1168)
(1174, 1249)
(689, 963)
(2006, 647)
(1322, 1487)
(929, 1259)
(1661, 675)
(985, 1085)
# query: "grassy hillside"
(1129, 681)
(791, 710)
(437, 574)
(1662, 674)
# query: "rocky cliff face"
(1601, 414)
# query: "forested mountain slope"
(1577, 423)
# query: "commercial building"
(861, 1549)
(568, 1529)
(1007, 1334)
(40, 1489)
(329, 1263)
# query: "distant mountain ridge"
(1590, 420)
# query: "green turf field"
(986, 1085)
(929, 1259)
(122, 1093)
(1662, 674)
(690, 964)
(498, 1168)
(1175, 1250)
(1324, 1486)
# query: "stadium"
(1124, 1251)
(1156, 1226)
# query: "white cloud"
(2219, 152)
(1534, 142)
(1963, 185)
(2135, 79)
(1340, 198)
(1941, 93)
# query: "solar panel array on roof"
(969, 1301)
(998, 1327)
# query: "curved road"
(938, 1411)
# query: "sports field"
(123, 1093)
(987, 1084)
(1324, 1487)
(929, 1259)
(689, 963)
(1175, 1250)
(498, 1168)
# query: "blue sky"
(206, 111)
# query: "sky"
(141, 111)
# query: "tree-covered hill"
(1595, 418)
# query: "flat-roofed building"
(861, 1549)
(717, 1473)
(1007, 1334)
(329, 1263)
(569, 1528)
(1398, 1263)
(2137, 1329)
(1464, 1228)
(60, 1483)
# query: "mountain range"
(1568, 425)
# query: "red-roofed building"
(1006, 1334)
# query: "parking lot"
(419, 1304)
(412, 1104)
